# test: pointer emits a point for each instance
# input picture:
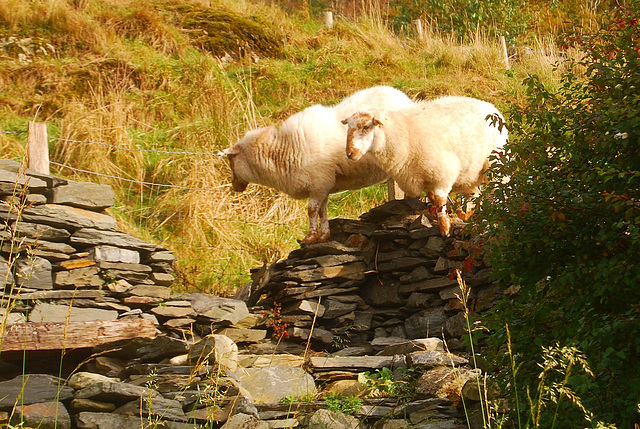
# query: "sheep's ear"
(345, 121)
(233, 150)
(376, 122)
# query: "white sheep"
(305, 158)
(434, 146)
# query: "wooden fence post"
(417, 25)
(395, 193)
(505, 54)
(38, 147)
(327, 19)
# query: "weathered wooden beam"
(38, 147)
(72, 335)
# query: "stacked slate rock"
(62, 244)
(385, 278)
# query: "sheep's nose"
(350, 154)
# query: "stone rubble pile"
(344, 318)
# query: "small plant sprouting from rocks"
(385, 382)
(343, 404)
(275, 322)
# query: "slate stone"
(14, 180)
(416, 345)
(85, 195)
(44, 312)
(352, 271)
(433, 359)
(33, 389)
(215, 349)
(34, 273)
(69, 217)
(79, 405)
(332, 419)
(47, 415)
(242, 335)
(40, 231)
(6, 277)
(425, 323)
(152, 291)
(218, 310)
(161, 256)
(168, 409)
(94, 236)
(11, 166)
(117, 393)
(245, 421)
(80, 277)
(89, 420)
(274, 383)
(162, 279)
(333, 308)
(418, 274)
(46, 249)
(83, 379)
(428, 285)
(114, 254)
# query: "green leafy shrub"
(343, 404)
(565, 228)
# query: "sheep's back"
(444, 139)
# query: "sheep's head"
(232, 153)
(360, 128)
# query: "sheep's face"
(360, 132)
(236, 163)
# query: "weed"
(337, 402)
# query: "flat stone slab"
(115, 392)
(272, 384)
(44, 312)
(33, 389)
(85, 195)
(90, 420)
(218, 309)
(95, 236)
(47, 415)
(69, 217)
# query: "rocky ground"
(371, 323)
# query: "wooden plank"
(395, 193)
(38, 147)
(73, 335)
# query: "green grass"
(151, 77)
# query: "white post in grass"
(417, 25)
(327, 19)
(505, 54)
(38, 147)
(395, 193)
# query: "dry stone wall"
(378, 297)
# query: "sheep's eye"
(366, 128)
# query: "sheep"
(304, 157)
(434, 146)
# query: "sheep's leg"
(312, 209)
(325, 232)
(469, 206)
(444, 221)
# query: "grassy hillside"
(118, 81)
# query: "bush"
(565, 228)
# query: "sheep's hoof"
(464, 216)
(323, 238)
(445, 225)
